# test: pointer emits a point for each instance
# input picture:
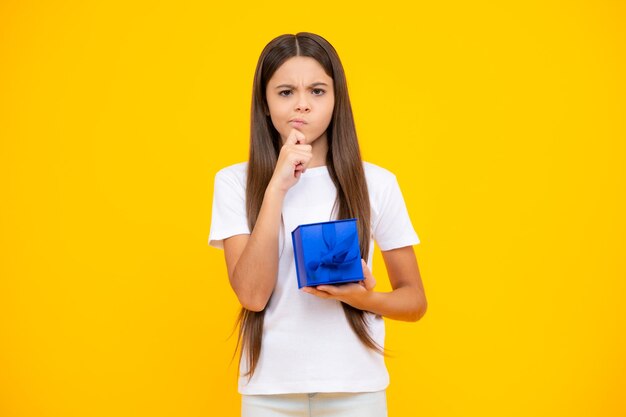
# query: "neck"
(320, 149)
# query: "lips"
(297, 122)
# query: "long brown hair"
(343, 160)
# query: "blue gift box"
(327, 253)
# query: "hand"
(354, 294)
(293, 159)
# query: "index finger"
(295, 137)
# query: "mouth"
(297, 122)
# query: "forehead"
(300, 69)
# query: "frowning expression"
(300, 96)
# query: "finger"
(300, 162)
(298, 170)
(301, 156)
(295, 137)
(328, 289)
(292, 139)
(369, 282)
(304, 149)
(300, 138)
(315, 292)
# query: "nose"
(303, 105)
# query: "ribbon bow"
(336, 258)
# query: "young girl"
(315, 351)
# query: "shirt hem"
(399, 244)
(308, 387)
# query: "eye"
(318, 91)
(284, 93)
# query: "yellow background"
(503, 121)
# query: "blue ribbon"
(336, 258)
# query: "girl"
(315, 351)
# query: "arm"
(407, 300)
(252, 260)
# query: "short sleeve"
(228, 217)
(392, 227)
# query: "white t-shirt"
(308, 345)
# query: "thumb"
(370, 281)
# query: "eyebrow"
(291, 86)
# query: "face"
(300, 96)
